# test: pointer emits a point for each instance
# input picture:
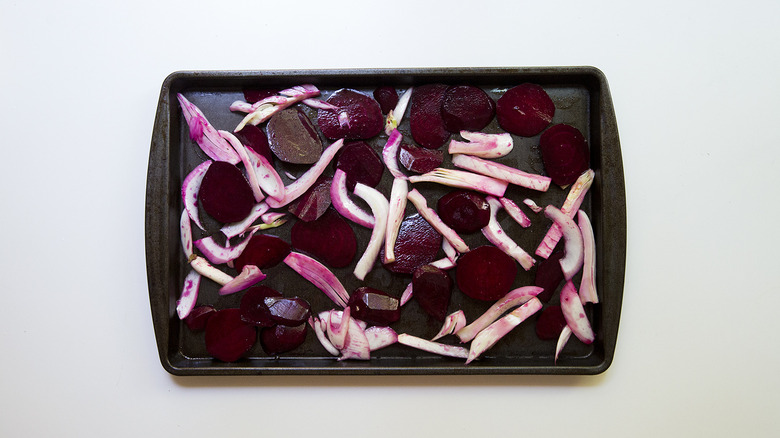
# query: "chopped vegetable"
(574, 313)
(570, 206)
(264, 251)
(339, 196)
(225, 194)
(282, 338)
(432, 347)
(185, 230)
(502, 172)
(466, 107)
(302, 184)
(248, 164)
(390, 154)
(525, 110)
(452, 323)
(464, 210)
(205, 269)
(562, 340)
(361, 163)
(380, 337)
(432, 290)
(249, 276)
(485, 273)
(358, 116)
(254, 309)
(374, 306)
(190, 189)
(488, 337)
(357, 346)
(234, 229)
(314, 202)
(387, 98)
(565, 153)
(395, 216)
(420, 160)
(319, 275)
(205, 135)
(228, 338)
(515, 212)
(571, 263)
(588, 284)
(550, 323)
(463, 180)
(264, 109)
(532, 205)
(329, 238)
(417, 244)
(189, 294)
(425, 119)
(395, 116)
(288, 311)
(430, 215)
(219, 254)
(512, 299)
(497, 236)
(379, 207)
(482, 145)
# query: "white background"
(696, 89)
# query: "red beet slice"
(225, 193)
(565, 153)
(464, 211)
(485, 273)
(254, 308)
(420, 160)
(198, 317)
(432, 289)
(315, 202)
(254, 138)
(466, 107)
(550, 323)
(282, 338)
(264, 251)
(374, 306)
(418, 244)
(387, 98)
(549, 275)
(361, 163)
(358, 116)
(293, 138)
(525, 110)
(425, 120)
(227, 336)
(288, 311)
(329, 238)
(253, 95)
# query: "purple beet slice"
(549, 275)
(253, 95)
(361, 163)
(228, 338)
(329, 238)
(225, 194)
(420, 160)
(293, 138)
(466, 107)
(198, 317)
(565, 153)
(282, 338)
(387, 98)
(264, 251)
(425, 120)
(254, 308)
(254, 138)
(314, 202)
(374, 306)
(432, 289)
(464, 211)
(418, 244)
(288, 311)
(550, 323)
(485, 273)
(525, 110)
(358, 116)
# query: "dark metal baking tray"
(582, 99)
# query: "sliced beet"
(282, 338)
(565, 153)
(254, 138)
(374, 306)
(550, 323)
(387, 98)
(198, 317)
(466, 107)
(253, 95)
(225, 193)
(549, 275)
(329, 238)
(420, 160)
(361, 163)
(485, 273)
(254, 309)
(227, 336)
(418, 244)
(288, 311)
(264, 251)
(314, 202)
(464, 211)
(432, 289)
(525, 110)
(293, 138)
(425, 120)
(358, 116)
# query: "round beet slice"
(485, 273)
(329, 238)
(358, 116)
(293, 138)
(282, 338)
(432, 289)
(550, 323)
(254, 308)
(418, 244)
(420, 160)
(425, 121)
(315, 202)
(198, 317)
(361, 163)
(466, 107)
(288, 311)
(374, 306)
(264, 251)
(227, 336)
(225, 193)
(464, 211)
(565, 153)
(549, 275)
(525, 110)
(254, 138)
(252, 95)
(387, 98)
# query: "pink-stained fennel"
(502, 172)
(570, 206)
(237, 228)
(319, 104)
(588, 284)
(356, 345)
(396, 114)
(201, 131)
(185, 229)
(390, 154)
(463, 180)
(574, 313)
(496, 235)
(189, 294)
(305, 181)
(532, 205)
(380, 337)
(338, 327)
(219, 254)
(315, 324)
(512, 299)
(204, 268)
(272, 217)
(563, 338)
(339, 197)
(248, 165)
(267, 177)
(573, 258)
(319, 275)
(395, 216)
(488, 337)
(452, 323)
(515, 212)
(249, 276)
(482, 145)
(264, 109)
(380, 208)
(407, 294)
(432, 347)
(190, 188)
(430, 215)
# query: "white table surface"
(696, 89)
